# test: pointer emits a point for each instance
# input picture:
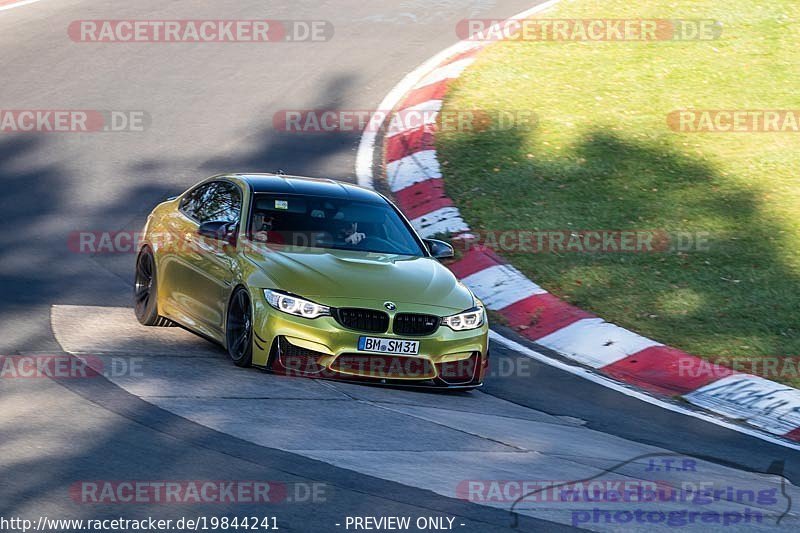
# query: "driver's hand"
(355, 238)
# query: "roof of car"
(282, 184)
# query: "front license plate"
(395, 346)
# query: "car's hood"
(333, 276)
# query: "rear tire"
(145, 294)
(239, 328)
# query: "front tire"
(239, 328)
(145, 294)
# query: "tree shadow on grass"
(731, 293)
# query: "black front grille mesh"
(368, 320)
(460, 372)
(414, 324)
(290, 350)
(294, 359)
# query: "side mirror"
(219, 230)
(439, 249)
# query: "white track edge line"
(18, 4)
(639, 395)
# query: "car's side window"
(190, 202)
(221, 202)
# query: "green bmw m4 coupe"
(310, 277)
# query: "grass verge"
(601, 156)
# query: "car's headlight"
(295, 305)
(470, 319)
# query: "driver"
(353, 235)
(262, 229)
(348, 232)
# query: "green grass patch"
(601, 156)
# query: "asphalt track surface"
(189, 415)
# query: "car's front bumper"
(322, 348)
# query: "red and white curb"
(413, 174)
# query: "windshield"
(323, 222)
